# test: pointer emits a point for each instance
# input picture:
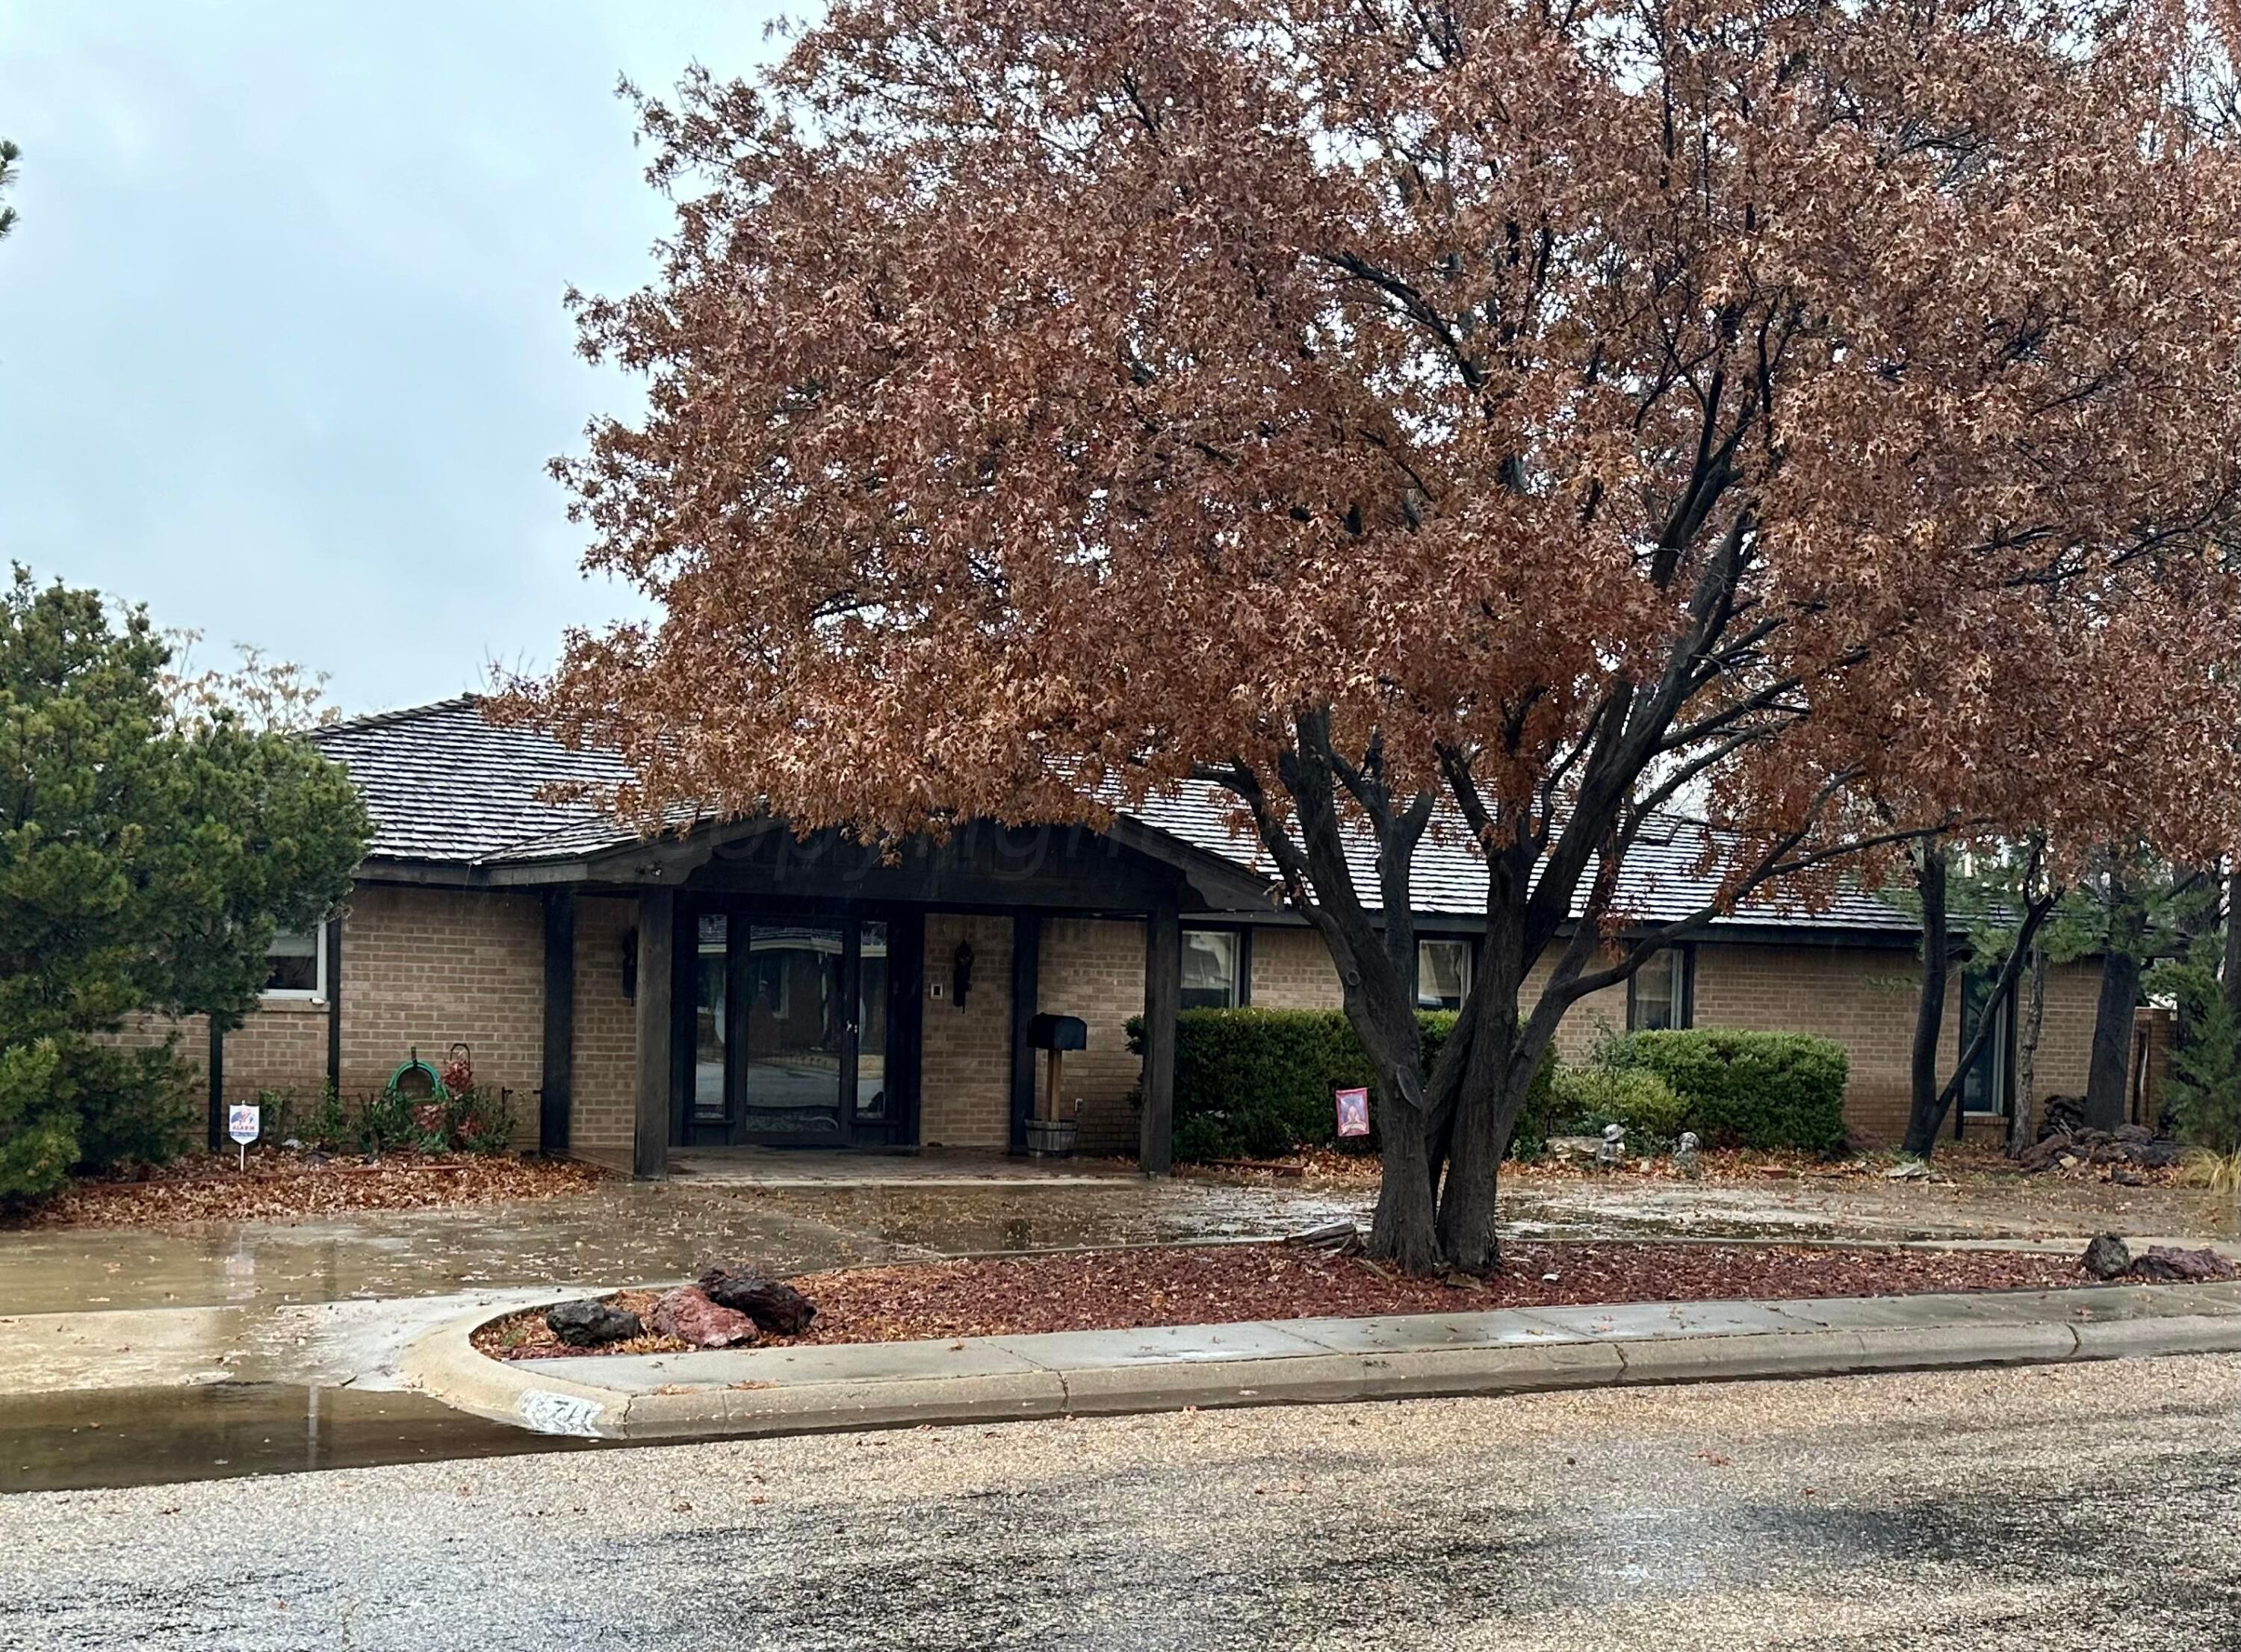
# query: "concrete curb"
(815, 1389)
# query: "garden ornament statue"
(1685, 1158)
(1612, 1153)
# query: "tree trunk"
(1488, 1097)
(2022, 1123)
(1404, 1231)
(2107, 1076)
(1926, 1114)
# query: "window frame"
(1468, 943)
(317, 994)
(1241, 990)
(1683, 1004)
(1999, 1053)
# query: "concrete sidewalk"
(806, 1389)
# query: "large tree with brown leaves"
(1509, 420)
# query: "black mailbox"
(1058, 1033)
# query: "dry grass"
(2220, 1172)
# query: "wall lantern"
(960, 973)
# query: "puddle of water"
(153, 1437)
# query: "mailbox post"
(1050, 1136)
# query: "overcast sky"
(282, 348)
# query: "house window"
(295, 964)
(1443, 973)
(1214, 968)
(1657, 998)
(1984, 1086)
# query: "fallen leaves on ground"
(1966, 1163)
(283, 1186)
(1132, 1289)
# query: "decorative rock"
(2106, 1257)
(1574, 1147)
(687, 1314)
(2184, 1267)
(588, 1322)
(773, 1304)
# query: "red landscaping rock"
(688, 1315)
(772, 1305)
(2185, 1267)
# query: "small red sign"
(1354, 1112)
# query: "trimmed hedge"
(1748, 1089)
(1587, 1098)
(1256, 1083)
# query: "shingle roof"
(444, 785)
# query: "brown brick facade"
(964, 1073)
(1094, 969)
(1292, 969)
(426, 968)
(603, 1114)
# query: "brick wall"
(1094, 969)
(964, 1078)
(426, 968)
(282, 1046)
(1292, 969)
(1866, 1001)
(1863, 999)
(422, 968)
(603, 1112)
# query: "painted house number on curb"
(550, 1412)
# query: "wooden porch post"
(1163, 992)
(1026, 962)
(657, 949)
(334, 942)
(555, 1093)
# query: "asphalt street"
(2048, 1509)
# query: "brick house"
(731, 985)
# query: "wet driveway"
(216, 1349)
(222, 1349)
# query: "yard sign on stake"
(241, 1125)
(1354, 1112)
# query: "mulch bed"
(284, 1186)
(1326, 1168)
(1127, 1289)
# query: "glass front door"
(791, 1030)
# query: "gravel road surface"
(2090, 1507)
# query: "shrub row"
(1741, 1089)
(1254, 1083)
